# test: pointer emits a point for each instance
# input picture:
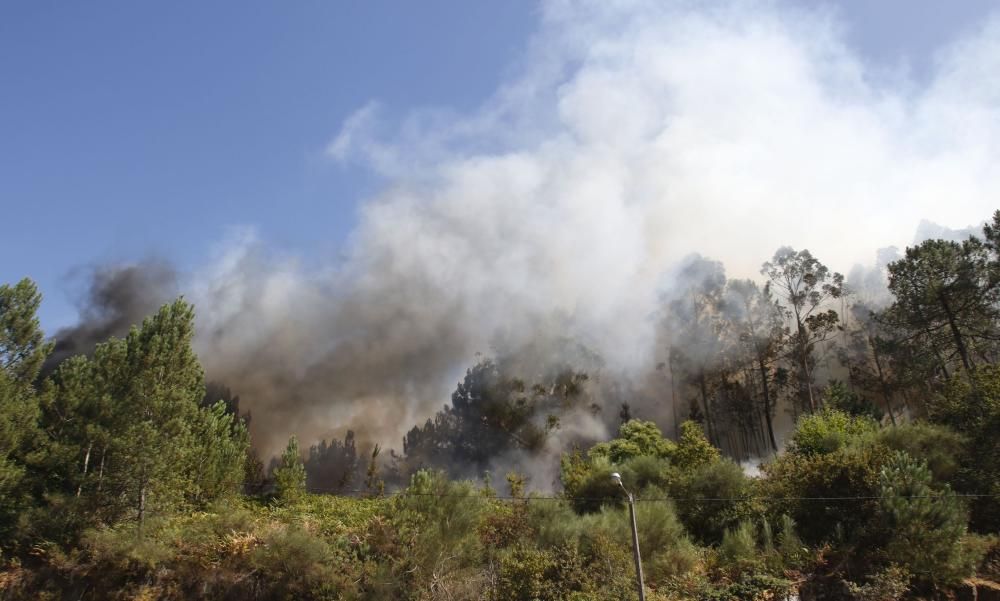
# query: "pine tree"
(290, 475)
(926, 525)
(156, 386)
(222, 445)
(128, 435)
(22, 352)
(946, 301)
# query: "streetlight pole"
(635, 537)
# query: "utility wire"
(404, 493)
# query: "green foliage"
(804, 284)
(224, 445)
(941, 447)
(146, 396)
(841, 398)
(18, 415)
(738, 549)
(493, 411)
(290, 475)
(300, 564)
(22, 343)
(888, 585)
(926, 525)
(118, 472)
(373, 483)
(527, 573)
(946, 294)
(970, 404)
(790, 547)
(589, 486)
(693, 448)
(713, 497)
(439, 521)
(22, 352)
(645, 458)
(828, 431)
(126, 436)
(604, 539)
(636, 438)
(515, 483)
(806, 487)
(236, 550)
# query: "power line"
(670, 499)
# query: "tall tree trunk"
(767, 404)
(803, 343)
(86, 464)
(100, 472)
(805, 376)
(142, 507)
(756, 421)
(881, 378)
(703, 386)
(963, 352)
(765, 389)
(673, 397)
(934, 348)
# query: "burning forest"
(711, 263)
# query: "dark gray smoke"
(116, 297)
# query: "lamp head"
(616, 478)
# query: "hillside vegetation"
(121, 478)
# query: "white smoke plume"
(630, 135)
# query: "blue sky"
(129, 128)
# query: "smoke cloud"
(116, 298)
(631, 135)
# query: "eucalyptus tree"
(760, 327)
(805, 286)
(695, 328)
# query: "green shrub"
(889, 584)
(939, 446)
(636, 438)
(927, 527)
(828, 431)
(667, 551)
(295, 563)
(829, 496)
(587, 483)
(693, 448)
(738, 549)
(290, 475)
(438, 522)
(643, 458)
(838, 396)
(529, 573)
(124, 551)
(643, 472)
(973, 409)
(793, 552)
(713, 498)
